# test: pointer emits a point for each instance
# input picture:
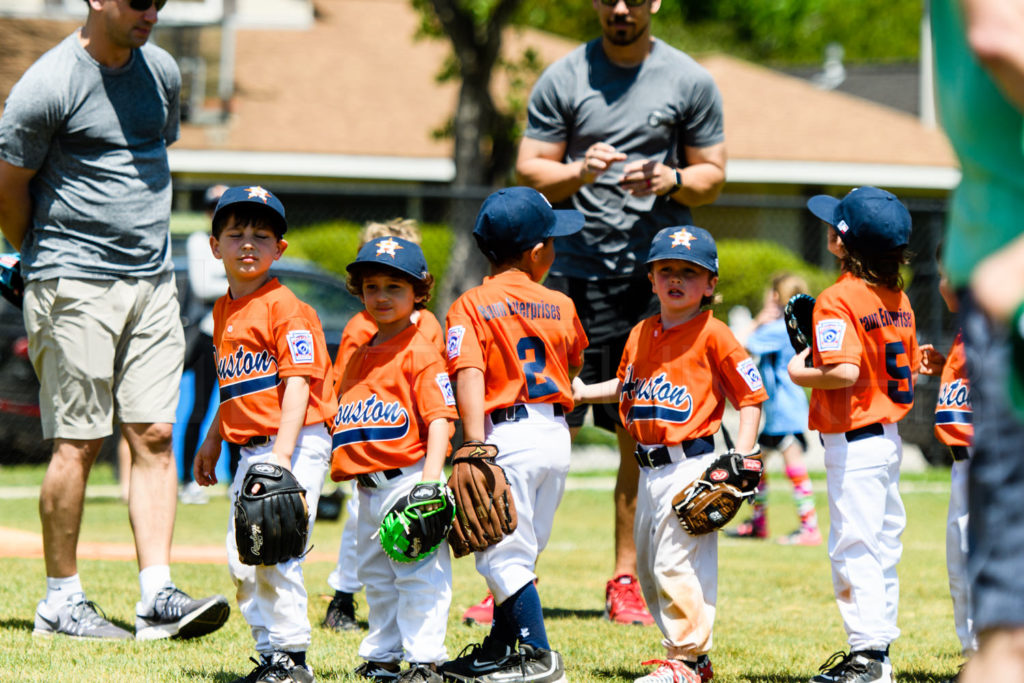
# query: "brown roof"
(359, 83)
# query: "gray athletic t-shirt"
(652, 111)
(97, 138)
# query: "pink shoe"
(748, 529)
(669, 671)
(802, 537)
(481, 613)
(623, 602)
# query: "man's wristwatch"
(679, 182)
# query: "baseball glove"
(799, 316)
(12, 287)
(708, 503)
(417, 524)
(484, 509)
(271, 516)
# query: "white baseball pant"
(678, 572)
(407, 602)
(534, 452)
(273, 598)
(867, 519)
(343, 578)
(956, 558)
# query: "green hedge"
(746, 269)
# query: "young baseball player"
(865, 356)
(954, 426)
(676, 372)
(276, 399)
(785, 414)
(513, 346)
(341, 612)
(396, 410)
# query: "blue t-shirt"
(786, 408)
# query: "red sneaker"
(669, 671)
(748, 529)
(704, 668)
(481, 613)
(623, 602)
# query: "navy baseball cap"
(685, 243)
(516, 218)
(393, 252)
(867, 218)
(253, 194)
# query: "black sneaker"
(262, 666)
(420, 673)
(281, 669)
(854, 667)
(176, 615)
(382, 672)
(341, 613)
(529, 665)
(76, 618)
(476, 659)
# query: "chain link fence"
(757, 232)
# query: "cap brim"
(824, 207)
(567, 222)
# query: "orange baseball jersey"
(874, 328)
(522, 335)
(954, 424)
(260, 340)
(674, 381)
(390, 393)
(361, 328)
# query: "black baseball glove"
(708, 503)
(271, 516)
(417, 524)
(799, 317)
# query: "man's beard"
(623, 33)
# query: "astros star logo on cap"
(683, 237)
(388, 246)
(258, 192)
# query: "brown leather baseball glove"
(484, 509)
(707, 503)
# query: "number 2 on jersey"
(898, 372)
(537, 385)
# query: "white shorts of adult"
(104, 349)
(273, 598)
(866, 520)
(407, 603)
(343, 577)
(956, 557)
(534, 452)
(678, 572)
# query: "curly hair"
(882, 269)
(420, 288)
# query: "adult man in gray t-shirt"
(627, 130)
(85, 195)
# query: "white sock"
(60, 590)
(151, 580)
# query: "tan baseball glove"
(708, 503)
(484, 509)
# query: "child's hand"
(205, 465)
(284, 461)
(578, 389)
(931, 360)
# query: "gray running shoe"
(176, 615)
(854, 668)
(281, 669)
(382, 672)
(529, 665)
(420, 673)
(77, 618)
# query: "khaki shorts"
(104, 349)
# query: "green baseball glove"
(418, 523)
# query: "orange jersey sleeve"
(261, 339)
(954, 421)
(361, 328)
(675, 381)
(522, 335)
(390, 394)
(873, 328)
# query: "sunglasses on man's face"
(629, 3)
(144, 5)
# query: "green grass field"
(776, 618)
